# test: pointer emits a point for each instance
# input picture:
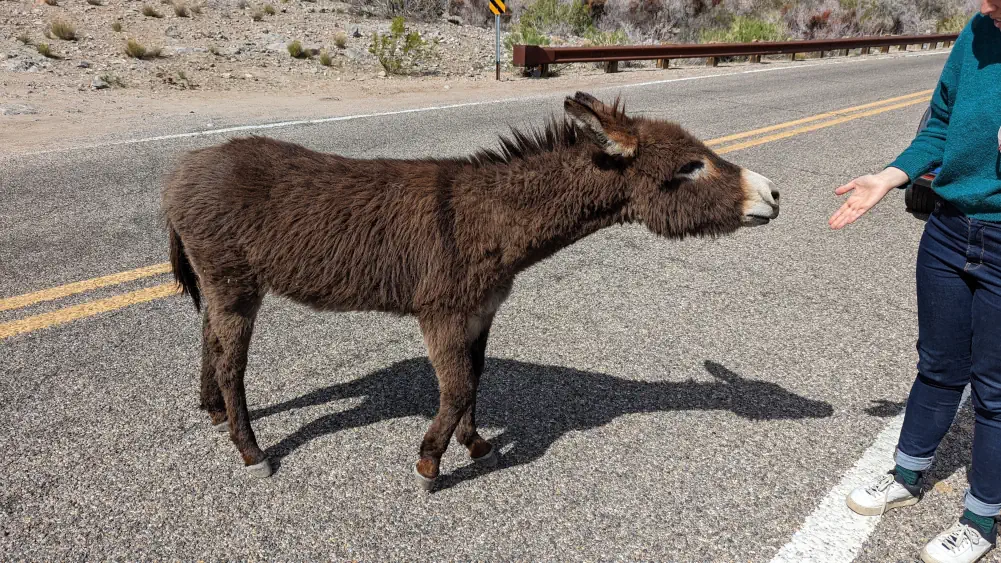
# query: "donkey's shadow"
(535, 404)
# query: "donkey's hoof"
(221, 427)
(262, 469)
(488, 459)
(424, 482)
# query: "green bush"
(743, 30)
(953, 24)
(400, 51)
(553, 16)
(598, 38)
(295, 49)
(525, 36)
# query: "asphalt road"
(652, 399)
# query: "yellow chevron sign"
(497, 7)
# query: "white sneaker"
(885, 494)
(959, 544)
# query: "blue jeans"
(959, 343)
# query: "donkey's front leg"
(480, 450)
(445, 337)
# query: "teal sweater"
(962, 130)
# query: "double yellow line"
(721, 145)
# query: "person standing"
(958, 275)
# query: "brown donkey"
(439, 239)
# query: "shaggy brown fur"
(441, 240)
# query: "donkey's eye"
(690, 168)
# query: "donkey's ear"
(607, 129)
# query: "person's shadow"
(535, 404)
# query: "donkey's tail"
(183, 272)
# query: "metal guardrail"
(534, 56)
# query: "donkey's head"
(677, 185)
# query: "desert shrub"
(269, 9)
(555, 17)
(181, 10)
(743, 29)
(325, 58)
(116, 26)
(137, 50)
(150, 12)
(24, 38)
(525, 36)
(427, 10)
(63, 30)
(473, 12)
(340, 39)
(45, 50)
(952, 24)
(593, 36)
(257, 15)
(400, 51)
(295, 49)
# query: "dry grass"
(181, 10)
(325, 58)
(116, 27)
(195, 9)
(150, 12)
(24, 38)
(52, 2)
(341, 39)
(257, 16)
(242, 4)
(46, 51)
(137, 50)
(63, 30)
(95, 2)
(269, 9)
(295, 49)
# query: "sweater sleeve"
(927, 148)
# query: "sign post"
(498, 8)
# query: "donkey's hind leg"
(480, 450)
(211, 397)
(445, 337)
(232, 320)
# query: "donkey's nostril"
(775, 195)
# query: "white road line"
(833, 533)
(317, 121)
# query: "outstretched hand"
(867, 191)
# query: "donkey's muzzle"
(761, 201)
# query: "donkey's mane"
(556, 134)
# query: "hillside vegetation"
(656, 21)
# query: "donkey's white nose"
(761, 202)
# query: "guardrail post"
(864, 51)
(755, 58)
(820, 55)
(611, 66)
(712, 61)
(884, 49)
(663, 63)
(844, 52)
(792, 56)
(543, 71)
